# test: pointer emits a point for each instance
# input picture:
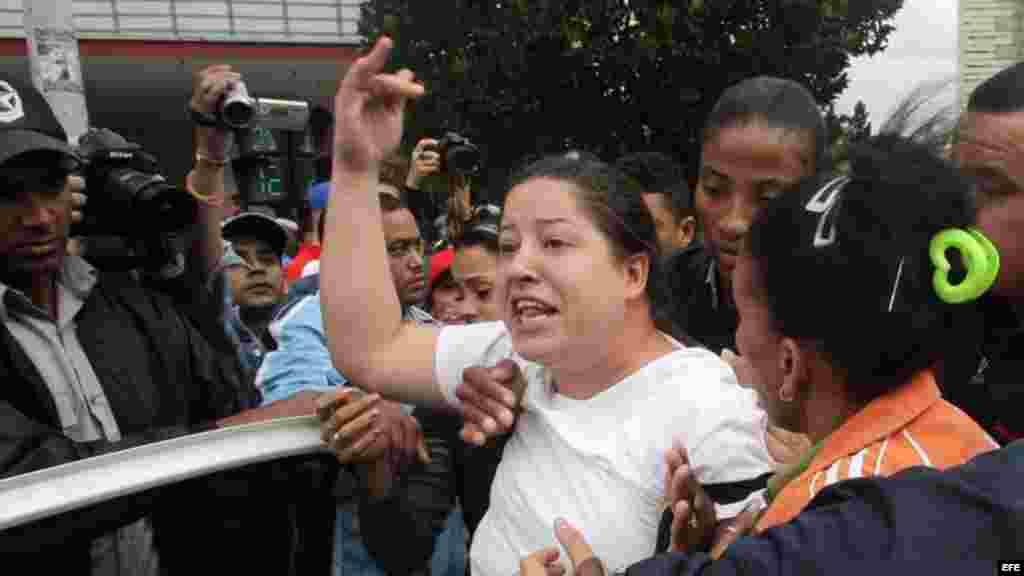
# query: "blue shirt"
(302, 360)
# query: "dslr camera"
(458, 155)
(128, 197)
(238, 110)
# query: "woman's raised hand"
(370, 109)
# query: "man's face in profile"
(990, 149)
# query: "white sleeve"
(459, 347)
(732, 445)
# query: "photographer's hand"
(78, 201)
(370, 111)
(424, 163)
(209, 86)
(78, 198)
(213, 144)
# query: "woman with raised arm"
(603, 392)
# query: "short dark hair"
(778, 103)
(1000, 94)
(393, 170)
(390, 203)
(863, 294)
(658, 174)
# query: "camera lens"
(237, 113)
(464, 160)
(154, 205)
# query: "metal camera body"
(128, 197)
(239, 110)
(458, 155)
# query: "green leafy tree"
(860, 123)
(529, 77)
(838, 136)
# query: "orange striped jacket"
(910, 426)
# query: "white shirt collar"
(77, 276)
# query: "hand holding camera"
(78, 198)
(209, 88)
(425, 162)
(457, 154)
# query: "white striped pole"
(54, 62)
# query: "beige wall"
(289, 21)
(991, 38)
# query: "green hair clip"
(980, 256)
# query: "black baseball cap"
(27, 122)
(256, 225)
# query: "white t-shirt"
(599, 463)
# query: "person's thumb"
(505, 370)
(572, 540)
(507, 374)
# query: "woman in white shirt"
(606, 391)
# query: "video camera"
(238, 110)
(128, 197)
(458, 155)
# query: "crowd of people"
(786, 368)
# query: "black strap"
(203, 119)
(732, 492)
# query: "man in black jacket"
(989, 145)
(92, 363)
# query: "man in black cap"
(91, 362)
(255, 275)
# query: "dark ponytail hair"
(615, 205)
(864, 293)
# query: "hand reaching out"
(694, 519)
(490, 400)
(695, 525)
(362, 428)
(545, 562)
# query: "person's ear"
(686, 231)
(637, 269)
(793, 367)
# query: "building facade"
(138, 58)
(991, 38)
(263, 21)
